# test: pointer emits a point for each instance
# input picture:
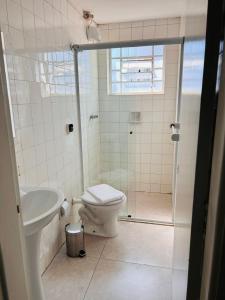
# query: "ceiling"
(112, 11)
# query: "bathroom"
(103, 106)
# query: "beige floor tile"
(141, 243)
(94, 245)
(181, 246)
(126, 269)
(125, 281)
(179, 284)
(68, 278)
(153, 206)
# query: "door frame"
(13, 261)
(214, 256)
(205, 146)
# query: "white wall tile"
(147, 29)
(28, 4)
(160, 31)
(151, 22)
(38, 8)
(148, 32)
(136, 33)
(173, 30)
(125, 34)
(114, 35)
(14, 14)
(3, 12)
(112, 26)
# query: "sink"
(39, 206)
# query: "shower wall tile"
(147, 29)
(143, 160)
(40, 66)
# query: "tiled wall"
(148, 29)
(142, 161)
(89, 99)
(40, 66)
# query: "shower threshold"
(146, 221)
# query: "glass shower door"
(118, 151)
(89, 115)
(128, 141)
(192, 74)
(128, 154)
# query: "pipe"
(76, 71)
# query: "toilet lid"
(88, 198)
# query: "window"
(136, 70)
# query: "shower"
(128, 98)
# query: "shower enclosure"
(128, 98)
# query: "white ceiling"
(112, 11)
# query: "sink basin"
(39, 206)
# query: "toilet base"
(101, 230)
(107, 226)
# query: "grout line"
(47, 267)
(94, 271)
(144, 221)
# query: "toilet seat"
(88, 198)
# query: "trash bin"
(75, 244)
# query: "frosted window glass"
(135, 70)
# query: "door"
(188, 123)
(188, 120)
(197, 122)
(13, 286)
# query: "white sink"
(39, 206)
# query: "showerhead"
(92, 30)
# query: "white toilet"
(100, 210)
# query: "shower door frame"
(76, 48)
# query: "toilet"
(100, 210)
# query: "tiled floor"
(153, 206)
(134, 265)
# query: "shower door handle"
(175, 136)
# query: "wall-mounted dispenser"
(135, 117)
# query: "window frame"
(109, 75)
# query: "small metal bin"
(75, 244)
